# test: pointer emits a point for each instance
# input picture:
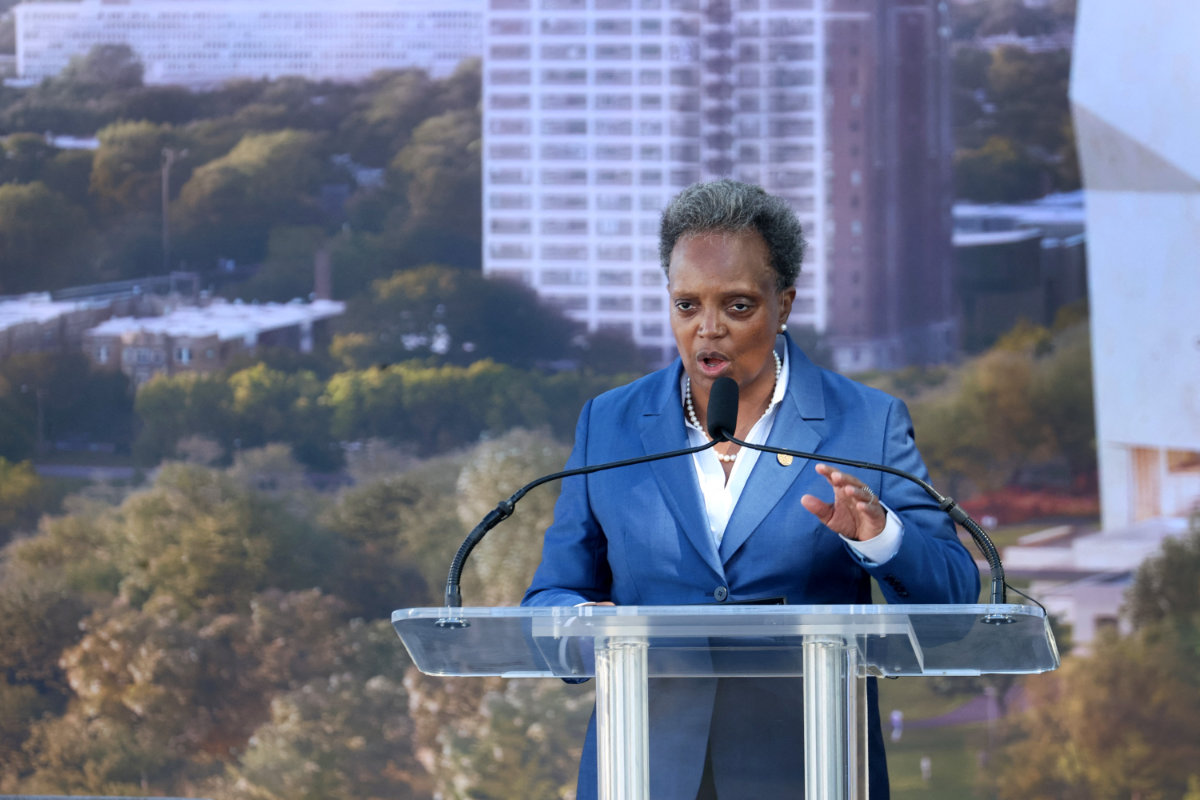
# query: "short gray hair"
(730, 206)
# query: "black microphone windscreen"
(723, 409)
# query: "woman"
(731, 525)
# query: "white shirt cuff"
(880, 549)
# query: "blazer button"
(720, 593)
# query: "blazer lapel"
(793, 429)
(662, 430)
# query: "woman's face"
(726, 309)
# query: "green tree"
(997, 172)
(442, 165)
(1119, 724)
(172, 408)
(1124, 721)
(501, 567)
(228, 206)
(69, 173)
(288, 270)
(41, 234)
(399, 533)
(206, 541)
(128, 166)
(341, 736)
(21, 497)
(25, 157)
(491, 738)
(1012, 124)
(454, 316)
(268, 405)
(105, 67)
(391, 106)
(1166, 589)
(1062, 400)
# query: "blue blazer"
(639, 536)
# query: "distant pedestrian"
(897, 718)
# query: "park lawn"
(954, 753)
(915, 697)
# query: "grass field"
(954, 753)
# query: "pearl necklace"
(691, 409)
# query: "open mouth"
(712, 363)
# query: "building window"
(564, 252)
(614, 252)
(564, 127)
(569, 302)
(615, 303)
(183, 355)
(614, 127)
(652, 329)
(564, 277)
(502, 225)
(509, 201)
(564, 227)
(614, 227)
(564, 202)
(613, 277)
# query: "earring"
(783, 327)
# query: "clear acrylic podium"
(831, 647)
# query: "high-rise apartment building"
(596, 112)
(207, 42)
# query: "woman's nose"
(711, 325)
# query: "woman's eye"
(741, 307)
(683, 305)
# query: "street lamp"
(169, 156)
(38, 395)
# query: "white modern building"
(1134, 69)
(597, 112)
(1134, 83)
(202, 43)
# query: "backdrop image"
(293, 293)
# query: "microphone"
(722, 429)
(722, 407)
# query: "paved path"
(974, 710)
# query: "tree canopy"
(1123, 721)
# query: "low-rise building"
(1017, 261)
(201, 43)
(37, 323)
(1081, 574)
(205, 338)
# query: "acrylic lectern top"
(729, 641)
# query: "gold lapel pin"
(784, 459)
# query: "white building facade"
(202, 43)
(597, 112)
(1135, 77)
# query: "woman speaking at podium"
(733, 525)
